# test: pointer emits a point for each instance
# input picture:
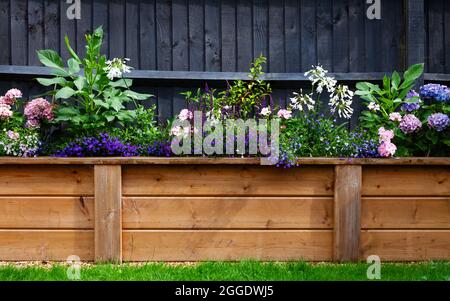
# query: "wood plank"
(356, 35)
(276, 37)
(132, 33)
(47, 212)
(164, 34)
(67, 28)
(308, 34)
(108, 213)
(147, 34)
(84, 26)
(19, 33)
(436, 50)
(447, 37)
(244, 33)
(228, 35)
(406, 245)
(100, 12)
(200, 245)
(55, 245)
(51, 25)
(325, 33)
(261, 30)
(35, 30)
(212, 35)
(340, 36)
(373, 43)
(117, 28)
(405, 213)
(45, 180)
(406, 181)
(227, 180)
(180, 31)
(227, 213)
(412, 161)
(196, 35)
(347, 213)
(5, 54)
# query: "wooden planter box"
(191, 209)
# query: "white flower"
(320, 80)
(341, 101)
(373, 106)
(300, 100)
(117, 67)
(395, 116)
(265, 111)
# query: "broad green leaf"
(80, 82)
(74, 66)
(362, 86)
(65, 93)
(71, 51)
(101, 103)
(387, 83)
(122, 83)
(395, 80)
(137, 96)
(50, 58)
(51, 81)
(413, 73)
(116, 103)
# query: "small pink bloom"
(385, 135)
(185, 114)
(11, 96)
(286, 114)
(37, 110)
(387, 149)
(13, 135)
(395, 117)
(5, 111)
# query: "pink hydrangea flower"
(5, 111)
(385, 135)
(38, 110)
(11, 96)
(387, 149)
(410, 124)
(185, 114)
(395, 117)
(286, 114)
(13, 135)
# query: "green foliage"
(389, 97)
(88, 102)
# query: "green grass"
(247, 270)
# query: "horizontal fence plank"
(406, 181)
(405, 213)
(227, 212)
(47, 212)
(44, 180)
(200, 245)
(227, 180)
(406, 245)
(55, 245)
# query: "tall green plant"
(88, 99)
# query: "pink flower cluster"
(185, 114)
(410, 124)
(38, 110)
(386, 148)
(285, 114)
(7, 101)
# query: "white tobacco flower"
(320, 80)
(341, 101)
(265, 111)
(117, 67)
(300, 100)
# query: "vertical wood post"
(415, 34)
(108, 213)
(347, 212)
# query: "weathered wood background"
(225, 36)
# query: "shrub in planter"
(408, 123)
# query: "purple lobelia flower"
(438, 121)
(435, 92)
(101, 146)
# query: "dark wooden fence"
(176, 45)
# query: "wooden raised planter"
(191, 209)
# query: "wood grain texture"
(406, 245)
(108, 213)
(43, 180)
(200, 245)
(406, 181)
(445, 161)
(405, 213)
(47, 212)
(55, 245)
(227, 213)
(227, 180)
(347, 212)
